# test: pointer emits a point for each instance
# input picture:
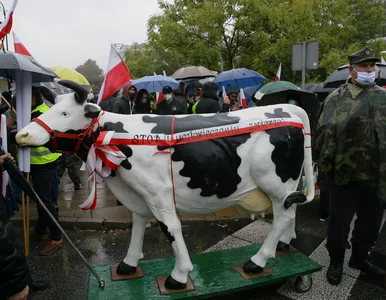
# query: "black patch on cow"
(278, 113)
(211, 165)
(164, 229)
(126, 150)
(288, 154)
(110, 126)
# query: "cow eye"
(64, 114)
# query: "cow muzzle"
(23, 138)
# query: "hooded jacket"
(124, 105)
(209, 100)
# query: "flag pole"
(28, 219)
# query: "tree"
(259, 34)
(197, 32)
(92, 72)
(337, 25)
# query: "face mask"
(365, 78)
(143, 100)
(131, 96)
(168, 97)
(292, 102)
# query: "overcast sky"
(68, 32)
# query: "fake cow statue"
(212, 161)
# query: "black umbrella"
(18, 177)
(341, 75)
(319, 88)
(10, 61)
(308, 86)
(306, 100)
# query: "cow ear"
(91, 110)
(48, 94)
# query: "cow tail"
(299, 197)
(308, 168)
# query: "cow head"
(62, 127)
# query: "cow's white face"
(66, 115)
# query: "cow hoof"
(125, 269)
(172, 284)
(251, 268)
(282, 247)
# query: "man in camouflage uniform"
(351, 147)
(68, 161)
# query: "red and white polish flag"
(19, 46)
(243, 99)
(116, 76)
(6, 26)
(159, 96)
(278, 74)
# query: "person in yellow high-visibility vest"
(46, 184)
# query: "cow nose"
(21, 137)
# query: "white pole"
(26, 112)
(19, 115)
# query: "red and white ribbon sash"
(101, 160)
(198, 135)
(104, 156)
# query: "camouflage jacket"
(350, 138)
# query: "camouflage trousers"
(68, 161)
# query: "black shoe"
(39, 285)
(323, 218)
(334, 273)
(366, 266)
(77, 186)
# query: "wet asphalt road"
(69, 276)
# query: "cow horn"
(80, 91)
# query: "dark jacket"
(175, 107)
(108, 104)
(14, 272)
(142, 108)
(125, 105)
(209, 100)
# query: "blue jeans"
(45, 183)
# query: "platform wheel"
(303, 283)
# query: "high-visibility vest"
(42, 155)
(194, 108)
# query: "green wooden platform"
(213, 275)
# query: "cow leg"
(171, 227)
(134, 254)
(282, 219)
(288, 235)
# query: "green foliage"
(92, 72)
(257, 34)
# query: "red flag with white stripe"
(278, 74)
(19, 46)
(243, 99)
(6, 26)
(116, 76)
(159, 96)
